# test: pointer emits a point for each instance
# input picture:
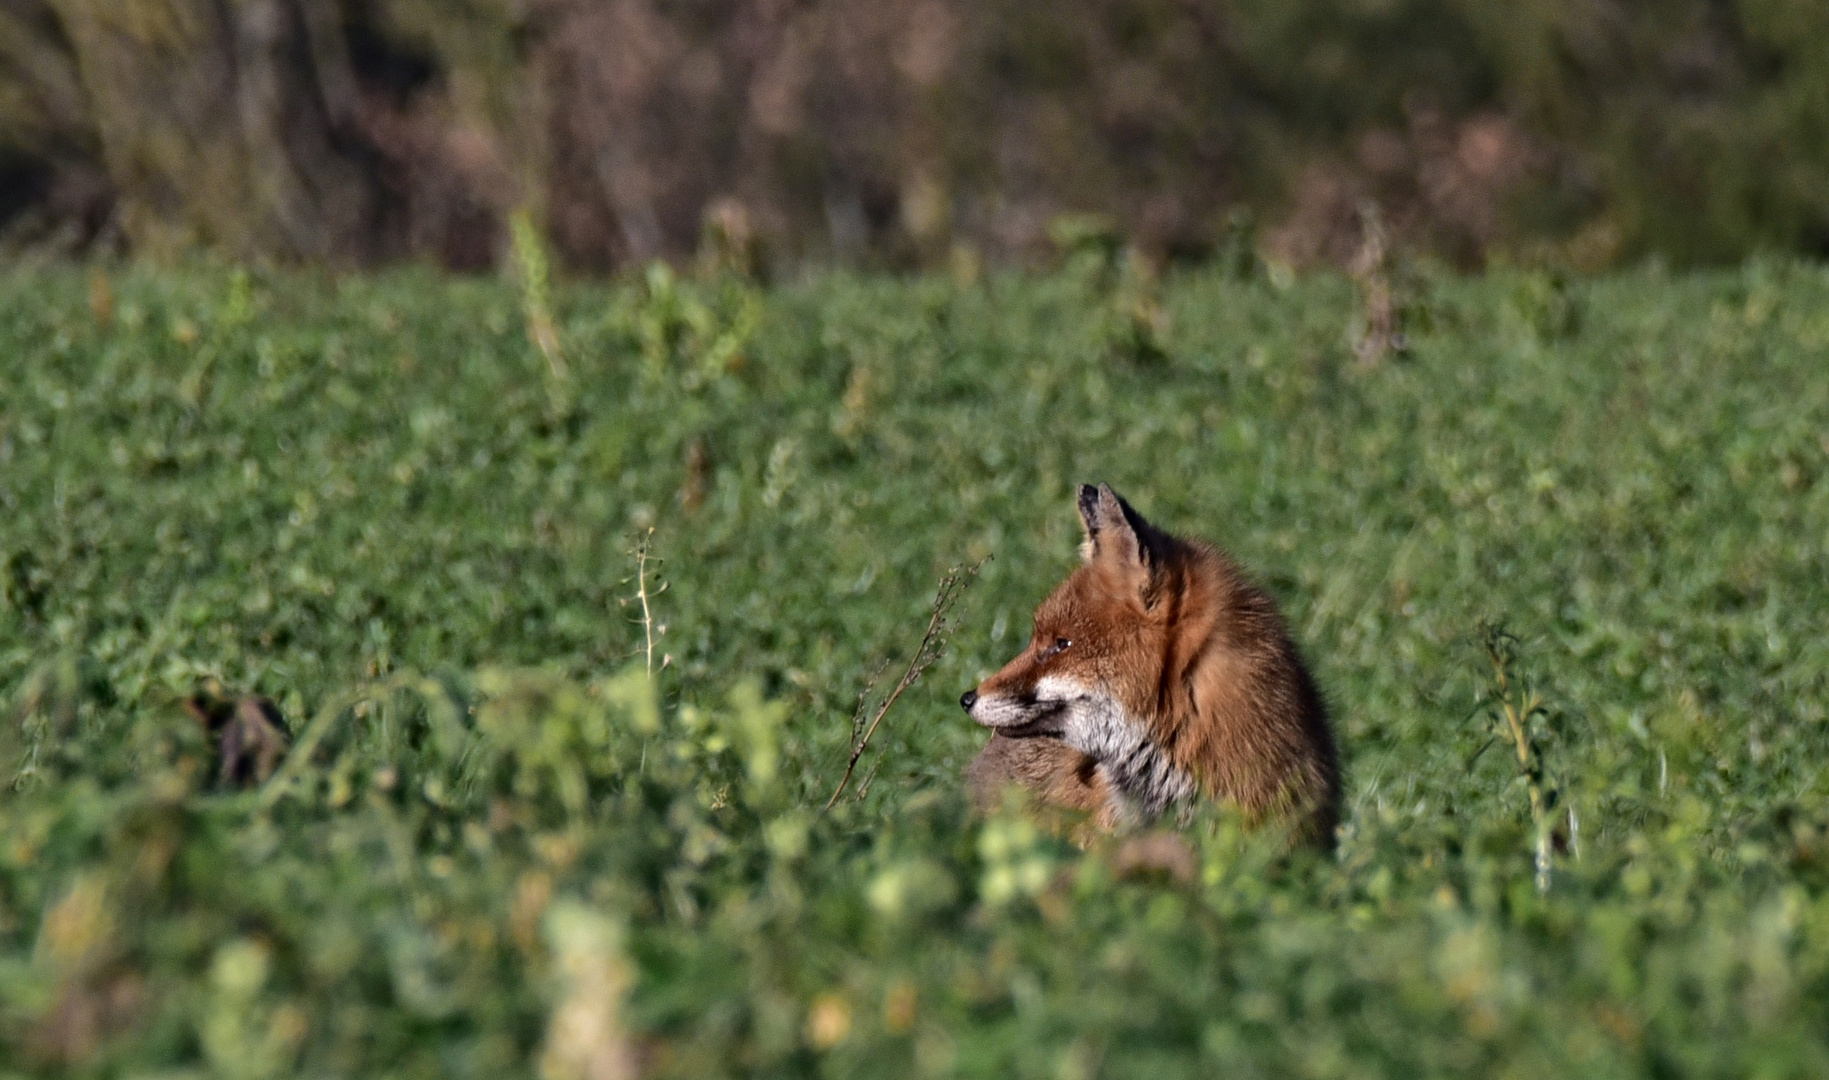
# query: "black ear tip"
(1089, 499)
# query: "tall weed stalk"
(1516, 712)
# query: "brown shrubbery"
(894, 132)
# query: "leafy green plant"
(502, 842)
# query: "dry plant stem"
(641, 593)
(648, 614)
(1517, 719)
(863, 700)
(933, 645)
(1380, 336)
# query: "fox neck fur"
(1099, 726)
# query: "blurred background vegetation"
(903, 133)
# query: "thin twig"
(932, 647)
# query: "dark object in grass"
(251, 733)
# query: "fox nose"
(967, 699)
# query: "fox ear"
(1116, 535)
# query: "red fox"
(1157, 674)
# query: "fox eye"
(1060, 645)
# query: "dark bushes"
(892, 132)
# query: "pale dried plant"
(646, 593)
(1380, 330)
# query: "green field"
(499, 849)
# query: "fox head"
(1102, 653)
(1163, 665)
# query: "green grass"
(376, 502)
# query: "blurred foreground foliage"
(500, 845)
(907, 133)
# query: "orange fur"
(1055, 775)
